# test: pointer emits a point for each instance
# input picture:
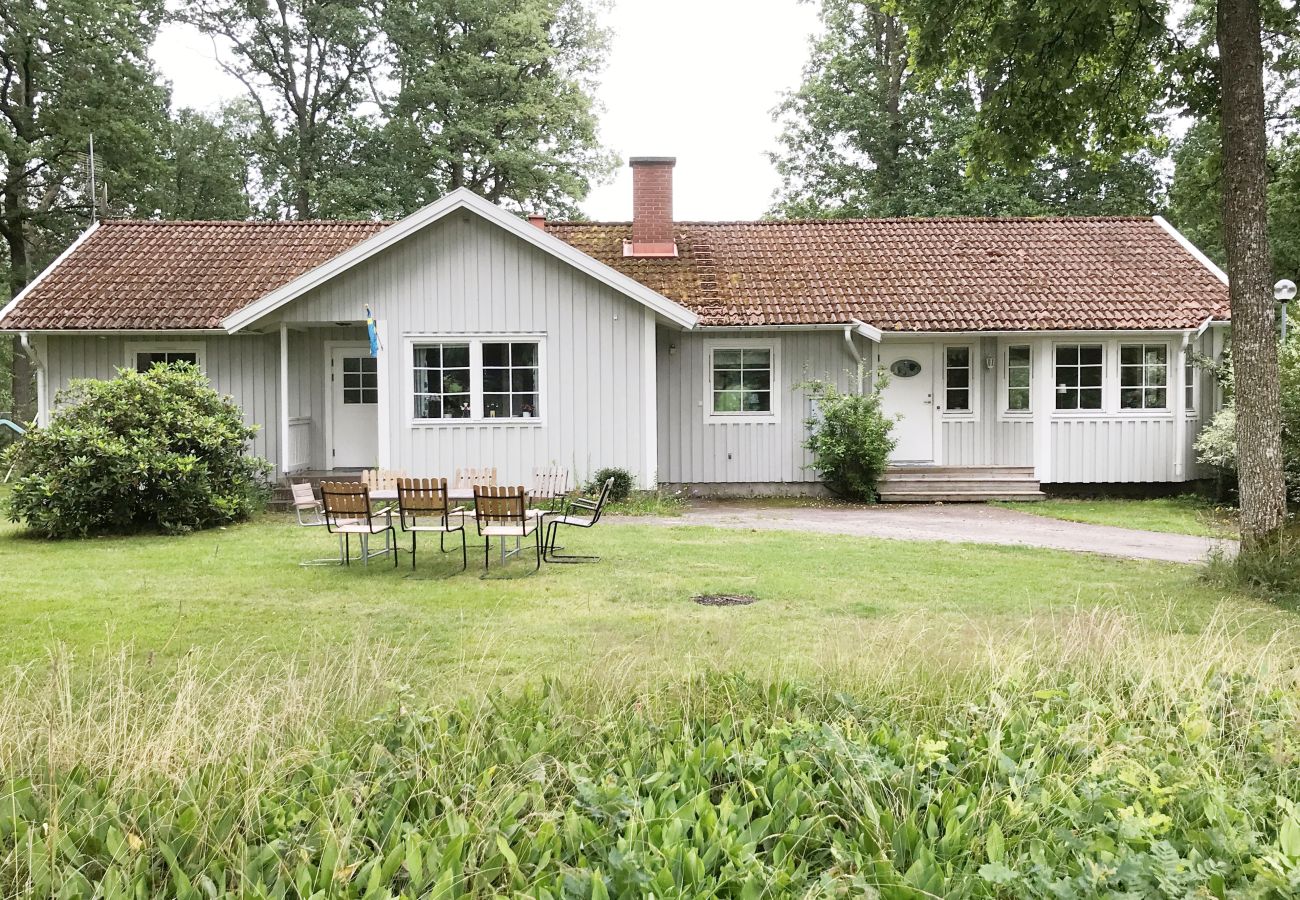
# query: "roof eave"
(27, 289)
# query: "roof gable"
(457, 200)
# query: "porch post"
(383, 419)
(1044, 401)
(1178, 405)
(284, 399)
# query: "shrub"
(619, 491)
(849, 439)
(159, 450)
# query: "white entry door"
(354, 408)
(910, 396)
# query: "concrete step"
(945, 496)
(904, 469)
(962, 486)
(949, 477)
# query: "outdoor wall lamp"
(1284, 293)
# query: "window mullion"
(476, 379)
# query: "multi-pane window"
(442, 385)
(360, 380)
(1143, 376)
(957, 379)
(1078, 376)
(1018, 369)
(742, 380)
(510, 379)
(147, 359)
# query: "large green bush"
(159, 450)
(849, 439)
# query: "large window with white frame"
(1144, 376)
(1018, 373)
(958, 379)
(742, 376)
(481, 378)
(143, 356)
(1079, 369)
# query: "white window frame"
(198, 348)
(476, 341)
(1108, 379)
(1005, 413)
(712, 345)
(976, 367)
(1192, 380)
(1170, 354)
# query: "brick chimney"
(652, 207)
(537, 221)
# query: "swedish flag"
(371, 330)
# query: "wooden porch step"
(941, 496)
(958, 484)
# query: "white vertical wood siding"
(244, 366)
(463, 275)
(693, 451)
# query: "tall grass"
(1077, 755)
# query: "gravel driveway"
(957, 523)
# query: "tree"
(70, 69)
(495, 96)
(307, 66)
(866, 134)
(1085, 79)
(206, 167)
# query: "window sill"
(452, 423)
(739, 419)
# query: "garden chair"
(550, 485)
(423, 506)
(578, 512)
(348, 512)
(311, 514)
(381, 480)
(470, 478)
(503, 512)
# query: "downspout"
(24, 341)
(854, 352)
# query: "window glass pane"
(1067, 376)
(1130, 398)
(351, 395)
(523, 354)
(1090, 398)
(1155, 398)
(757, 379)
(510, 379)
(1156, 375)
(958, 378)
(756, 359)
(1130, 376)
(757, 401)
(456, 356)
(1018, 398)
(1018, 356)
(1018, 378)
(455, 381)
(496, 405)
(1067, 356)
(496, 354)
(370, 395)
(496, 379)
(524, 380)
(1090, 376)
(441, 378)
(1130, 355)
(726, 401)
(958, 399)
(958, 356)
(523, 405)
(1067, 399)
(726, 359)
(1090, 355)
(428, 356)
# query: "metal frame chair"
(503, 512)
(427, 498)
(348, 512)
(578, 512)
(311, 514)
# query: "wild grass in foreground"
(1096, 759)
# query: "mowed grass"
(825, 602)
(1176, 515)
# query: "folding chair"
(423, 506)
(576, 513)
(503, 512)
(348, 512)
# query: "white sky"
(694, 79)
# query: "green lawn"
(823, 600)
(1179, 515)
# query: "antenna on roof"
(94, 197)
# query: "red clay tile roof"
(162, 275)
(924, 274)
(899, 275)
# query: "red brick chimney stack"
(537, 221)
(652, 207)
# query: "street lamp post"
(1284, 293)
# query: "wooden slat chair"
(381, 479)
(503, 512)
(311, 514)
(423, 506)
(550, 485)
(348, 512)
(468, 478)
(576, 513)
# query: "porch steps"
(958, 484)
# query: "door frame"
(935, 381)
(330, 347)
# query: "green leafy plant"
(619, 491)
(158, 450)
(849, 438)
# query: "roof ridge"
(965, 220)
(245, 222)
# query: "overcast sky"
(694, 79)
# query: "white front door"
(909, 395)
(354, 408)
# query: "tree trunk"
(1245, 232)
(21, 376)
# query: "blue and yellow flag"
(370, 329)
